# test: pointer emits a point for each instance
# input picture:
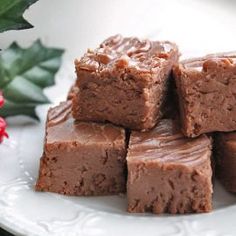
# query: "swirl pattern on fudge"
(165, 143)
(61, 124)
(227, 58)
(118, 52)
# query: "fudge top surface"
(166, 144)
(118, 52)
(210, 62)
(61, 128)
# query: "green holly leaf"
(11, 12)
(24, 73)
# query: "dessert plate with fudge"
(142, 143)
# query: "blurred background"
(197, 26)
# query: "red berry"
(3, 126)
(1, 100)
(3, 123)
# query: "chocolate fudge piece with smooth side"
(225, 149)
(167, 172)
(207, 94)
(124, 81)
(81, 158)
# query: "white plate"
(24, 211)
(196, 26)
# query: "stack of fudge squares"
(121, 129)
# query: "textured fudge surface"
(225, 145)
(207, 94)
(124, 81)
(119, 52)
(168, 172)
(81, 158)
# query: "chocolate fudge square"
(167, 172)
(225, 146)
(81, 158)
(124, 81)
(207, 94)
